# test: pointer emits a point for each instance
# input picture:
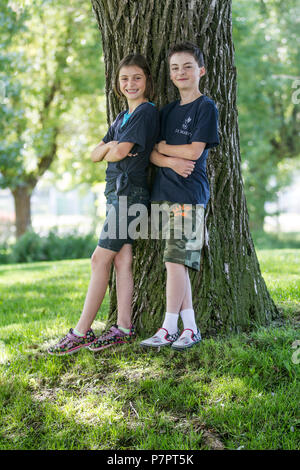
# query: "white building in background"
(288, 204)
(66, 211)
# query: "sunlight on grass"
(231, 392)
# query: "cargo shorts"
(182, 227)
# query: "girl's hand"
(113, 143)
(181, 166)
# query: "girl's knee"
(123, 261)
(100, 259)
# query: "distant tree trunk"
(22, 195)
(229, 292)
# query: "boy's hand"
(132, 155)
(181, 166)
(159, 146)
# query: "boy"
(189, 127)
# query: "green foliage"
(268, 241)
(51, 66)
(32, 247)
(267, 58)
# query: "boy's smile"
(185, 72)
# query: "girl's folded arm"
(119, 152)
(101, 150)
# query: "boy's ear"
(202, 71)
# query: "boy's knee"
(175, 266)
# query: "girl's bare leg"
(124, 284)
(101, 262)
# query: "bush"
(278, 241)
(32, 247)
(4, 253)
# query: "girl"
(126, 147)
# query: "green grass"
(239, 391)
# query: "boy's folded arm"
(101, 150)
(119, 152)
(160, 160)
(191, 151)
(179, 165)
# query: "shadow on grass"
(220, 393)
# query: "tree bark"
(22, 195)
(229, 292)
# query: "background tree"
(229, 291)
(53, 91)
(267, 59)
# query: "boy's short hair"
(190, 48)
(139, 61)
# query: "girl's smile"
(132, 81)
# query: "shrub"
(33, 247)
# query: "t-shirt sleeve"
(109, 136)
(206, 126)
(136, 131)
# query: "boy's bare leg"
(124, 284)
(101, 262)
(187, 312)
(176, 286)
(187, 302)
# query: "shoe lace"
(108, 334)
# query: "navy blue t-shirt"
(142, 129)
(179, 125)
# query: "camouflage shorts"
(183, 230)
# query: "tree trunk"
(229, 292)
(22, 197)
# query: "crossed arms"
(180, 158)
(113, 151)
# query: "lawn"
(235, 392)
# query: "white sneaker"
(161, 338)
(187, 339)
